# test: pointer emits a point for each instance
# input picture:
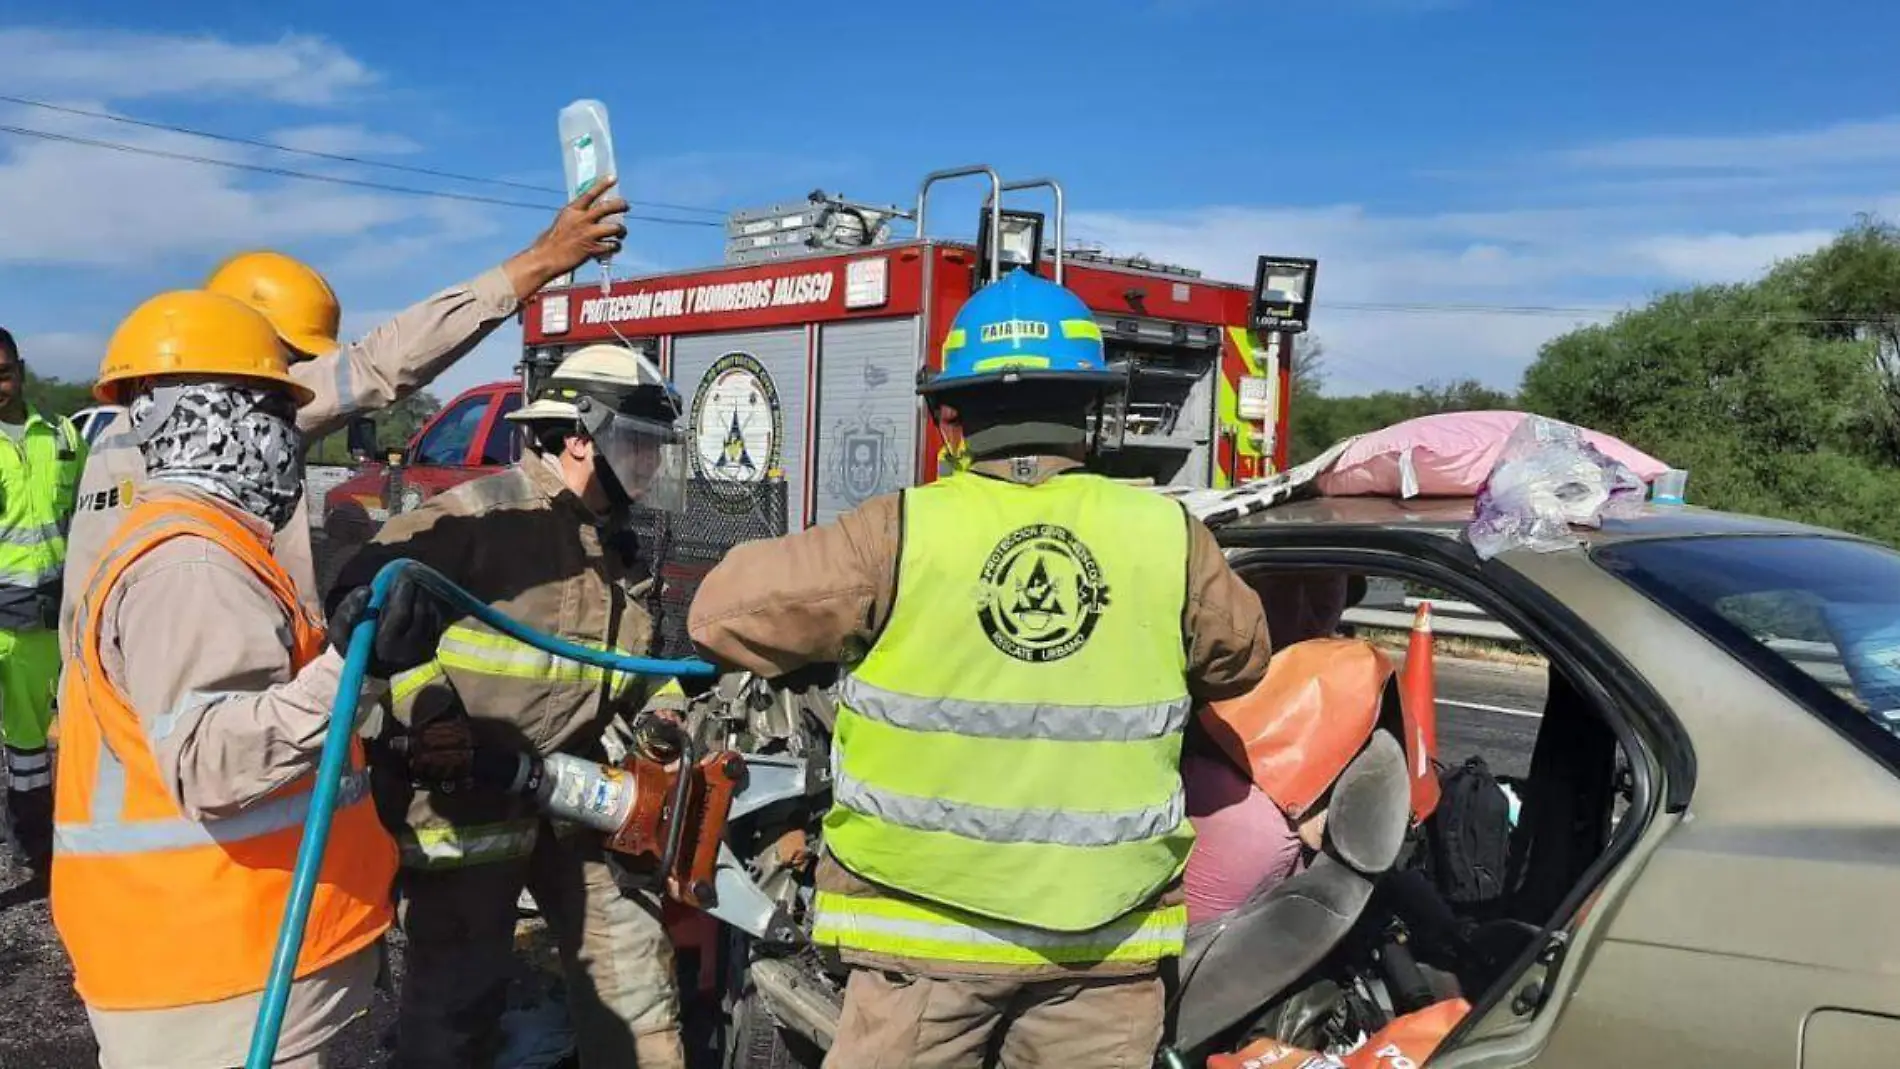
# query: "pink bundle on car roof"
(1448, 455)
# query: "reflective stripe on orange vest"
(158, 910)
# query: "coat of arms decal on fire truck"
(737, 422)
(863, 450)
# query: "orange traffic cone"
(1418, 698)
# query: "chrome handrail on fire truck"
(996, 196)
(1061, 215)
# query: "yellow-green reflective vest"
(39, 478)
(1010, 747)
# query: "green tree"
(1735, 383)
(1309, 365)
(398, 423)
(395, 426)
(1850, 291)
(57, 396)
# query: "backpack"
(1468, 837)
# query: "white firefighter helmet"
(618, 399)
(603, 369)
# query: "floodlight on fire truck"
(1283, 293)
(1019, 242)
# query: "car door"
(1754, 928)
(501, 441)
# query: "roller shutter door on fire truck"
(745, 396)
(867, 413)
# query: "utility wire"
(1600, 310)
(282, 172)
(1474, 309)
(335, 157)
(1375, 307)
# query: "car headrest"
(1355, 590)
(1302, 603)
(1371, 807)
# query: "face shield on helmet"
(641, 453)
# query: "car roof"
(1448, 517)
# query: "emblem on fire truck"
(737, 423)
(863, 458)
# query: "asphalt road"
(1485, 709)
(1490, 710)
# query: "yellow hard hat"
(296, 300)
(192, 332)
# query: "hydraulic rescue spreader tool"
(629, 801)
(663, 808)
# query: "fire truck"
(798, 358)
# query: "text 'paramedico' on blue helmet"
(1021, 329)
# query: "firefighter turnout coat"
(520, 541)
(1022, 648)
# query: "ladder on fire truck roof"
(992, 206)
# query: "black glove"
(411, 627)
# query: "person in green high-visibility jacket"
(1022, 642)
(40, 461)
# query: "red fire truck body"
(804, 368)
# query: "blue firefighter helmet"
(1021, 329)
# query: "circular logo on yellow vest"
(1042, 594)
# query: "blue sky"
(1560, 155)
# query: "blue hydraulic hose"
(336, 749)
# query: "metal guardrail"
(1387, 606)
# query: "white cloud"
(1840, 144)
(1370, 352)
(1371, 262)
(434, 228)
(721, 179)
(64, 203)
(125, 65)
(1407, 298)
(72, 204)
(99, 230)
(1727, 257)
(64, 354)
(343, 139)
(1563, 246)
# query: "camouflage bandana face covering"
(239, 443)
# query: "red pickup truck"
(468, 438)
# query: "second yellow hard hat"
(192, 332)
(291, 294)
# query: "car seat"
(1237, 965)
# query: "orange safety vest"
(158, 910)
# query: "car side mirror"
(362, 439)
